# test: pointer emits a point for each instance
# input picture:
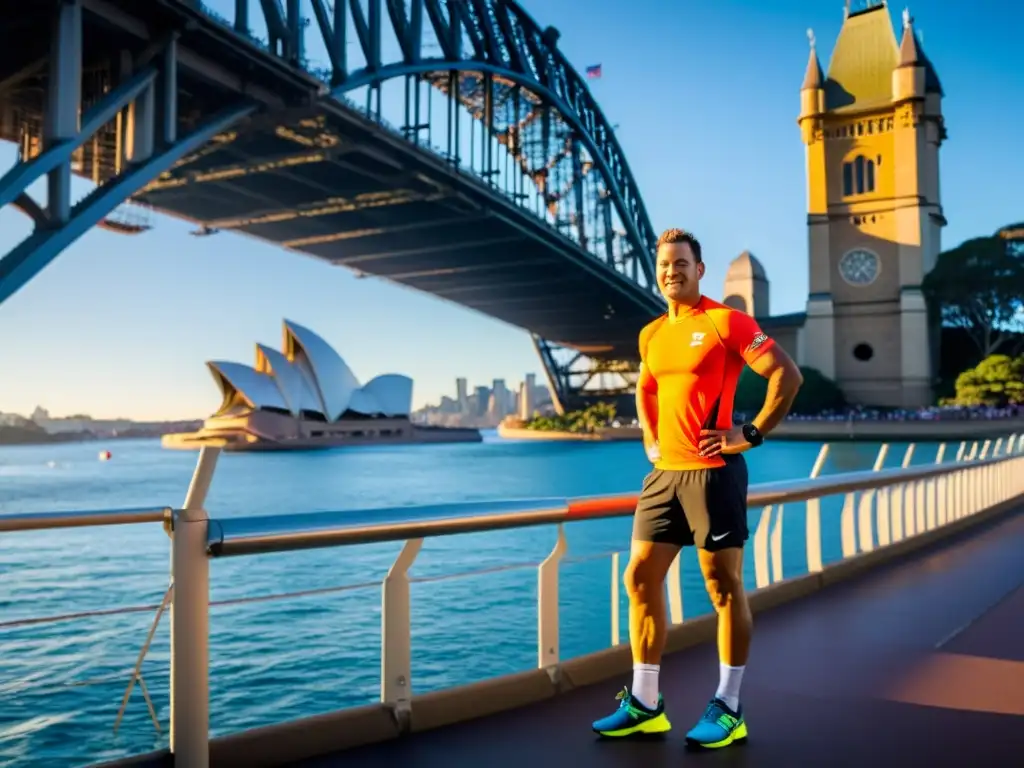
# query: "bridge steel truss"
(531, 109)
(78, 110)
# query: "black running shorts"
(706, 508)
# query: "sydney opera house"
(306, 397)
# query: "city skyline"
(40, 408)
(483, 405)
(120, 326)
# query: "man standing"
(691, 359)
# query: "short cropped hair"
(681, 236)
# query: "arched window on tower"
(858, 176)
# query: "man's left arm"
(744, 337)
(784, 380)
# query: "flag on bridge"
(594, 72)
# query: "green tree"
(818, 393)
(997, 380)
(979, 287)
(589, 420)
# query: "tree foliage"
(818, 393)
(996, 381)
(979, 287)
(1013, 236)
(589, 420)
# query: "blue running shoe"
(719, 727)
(633, 718)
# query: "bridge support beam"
(154, 147)
(577, 381)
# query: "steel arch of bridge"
(505, 41)
(496, 38)
(501, 43)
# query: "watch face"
(859, 267)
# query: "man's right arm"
(647, 408)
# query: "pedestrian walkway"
(919, 663)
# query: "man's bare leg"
(645, 585)
(723, 579)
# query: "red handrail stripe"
(602, 507)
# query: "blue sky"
(706, 98)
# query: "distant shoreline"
(818, 430)
(27, 436)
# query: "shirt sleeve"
(745, 337)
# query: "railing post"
(674, 585)
(847, 527)
(865, 533)
(819, 462)
(960, 482)
(396, 635)
(937, 494)
(812, 523)
(971, 476)
(190, 621)
(920, 506)
(616, 572)
(775, 542)
(547, 605)
(902, 513)
(762, 575)
(883, 497)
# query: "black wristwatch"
(752, 435)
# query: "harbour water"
(61, 683)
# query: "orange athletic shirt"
(693, 364)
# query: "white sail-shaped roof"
(240, 383)
(297, 391)
(308, 377)
(331, 375)
(365, 403)
(392, 393)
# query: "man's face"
(679, 272)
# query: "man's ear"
(700, 269)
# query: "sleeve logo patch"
(760, 339)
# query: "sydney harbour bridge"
(445, 145)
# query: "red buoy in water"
(105, 455)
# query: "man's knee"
(645, 573)
(723, 578)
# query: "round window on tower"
(859, 267)
(863, 352)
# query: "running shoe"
(633, 718)
(718, 727)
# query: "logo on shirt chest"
(697, 339)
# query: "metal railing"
(880, 507)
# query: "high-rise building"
(528, 397)
(462, 395)
(498, 407)
(481, 400)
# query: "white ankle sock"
(729, 685)
(645, 684)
